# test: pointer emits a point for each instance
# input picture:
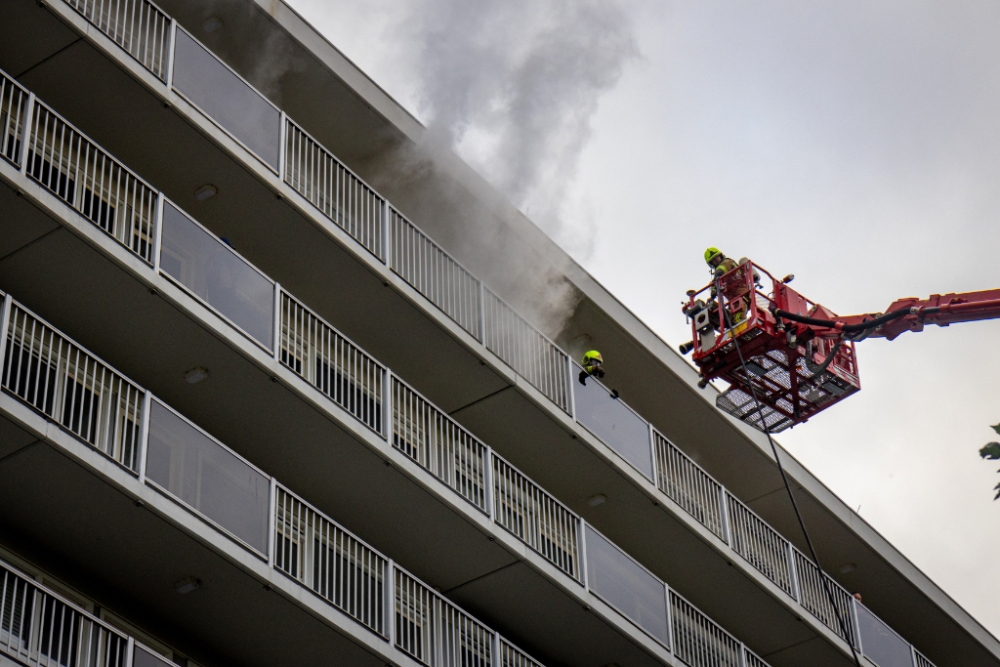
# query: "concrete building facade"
(272, 394)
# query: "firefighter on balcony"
(591, 363)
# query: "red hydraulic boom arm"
(909, 314)
(787, 358)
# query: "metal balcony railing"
(70, 386)
(689, 486)
(114, 199)
(439, 444)
(91, 181)
(13, 103)
(138, 26)
(331, 562)
(537, 359)
(335, 190)
(331, 362)
(699, 641)
(415, 258)
(189, 466)
(40, 629)
(759, 544)
(835, 614)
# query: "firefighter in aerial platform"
(720, 266)
(719, 263)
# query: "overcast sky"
(854, 144)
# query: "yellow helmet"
(711, 254)
(592, 356)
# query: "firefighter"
(720, 266)
(591, 363)
(718, 262)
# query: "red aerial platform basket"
(777, 377)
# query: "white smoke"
(512, 87)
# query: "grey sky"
(854, 144)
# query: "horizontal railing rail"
(72, 387)
(13, 108)
(40, 628)
(536, 517)
(63, 160)
(439, 444)
(86, 177)
(138, 26)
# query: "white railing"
(920, 661)
(835, 614)
(523, 348)
(511, 656)
(13, 99)
(69, 385)
(312, 549)
(434, 631)
(439, 444)
(331, 562)
(39, 628)
(331, 362)
(335, 190)
(87, 178)
(104, 191)
(688, 485)
(759, 544)
(432, 272)
(138, 26)
(536, 517)
(698, 640)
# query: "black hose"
(821, 368)
(847, 328)
(791, 496)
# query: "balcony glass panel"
(625, 585)
(880, 644)
(613, 422)
(206, 476)
(226, 98)
(210, 269)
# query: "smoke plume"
(512, 87)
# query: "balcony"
(383, 233)
(51, 387)
(210, 271)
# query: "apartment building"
(270, 395)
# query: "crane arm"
(908, 314)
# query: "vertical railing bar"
(272, 504)
(157, 240)
(147, 402)
(282, 138)
(276, 323)
(27, 131)
(4, 326)
(171, 54)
